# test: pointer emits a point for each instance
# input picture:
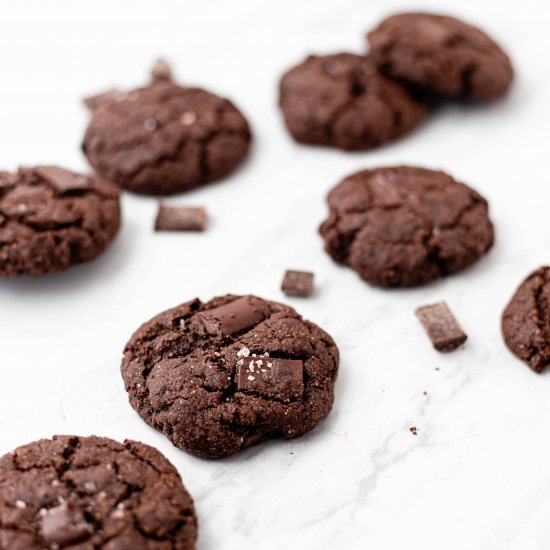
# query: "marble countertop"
(474, 477)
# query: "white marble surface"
(475, 476)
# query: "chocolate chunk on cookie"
(165, 138)
(405, 226)
(343, 100)
(441, 54)
(52, 219)
(217, 377)
(92, 492)
(526, 320)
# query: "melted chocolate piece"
(63, 180)
(232, 318)
(275, 378)
(64, 525)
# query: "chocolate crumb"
(413, 430)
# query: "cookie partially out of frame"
(342, 100)
(165, 138)
(92, 492)
(441, 54)
(52, 219)
(405, 226)
(219, 376)
(526, 320)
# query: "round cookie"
(219, 376)
(526, 320)
(52, 219)
(93, 492)
(441, 54)
(343, 100)
(405, 226)
(164, 138)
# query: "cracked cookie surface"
(343, 100)
(405, 226)
(165, 138)
(52, 219)
(219, 376)
(91, 493)
(441, 54)
(526, 320)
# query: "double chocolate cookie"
(51, 219)
(92, 492)
(219, 376)
(343, 100)
(441, 54)
(164, 138)
(405, 226)
(526, 320)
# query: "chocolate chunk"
(298, 283)
(441, 326)
(161, 70)
(232, 318)
(276, 378)
(64, 525)
(63, 180)
(180, 218)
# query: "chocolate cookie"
(92, 492)
(344, 101)
(165, 138)
(219, 376)
(441, 54)
(51, 219)
(405, 226)
(526, 320)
